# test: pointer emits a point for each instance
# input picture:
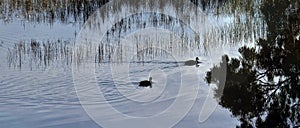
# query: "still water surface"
(36, 57)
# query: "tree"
(262, 87)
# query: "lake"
(76, 64)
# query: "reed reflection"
(182, 41)
(35, 54)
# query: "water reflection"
(216, 31)
(67, 11)
(247, 19)
(36, 54)
(165, 35)
(262, 86)
(43, 11)
(153, 37)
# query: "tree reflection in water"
(262, 87)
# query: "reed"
(39, 54)
(180, 41)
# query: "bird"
(146, 83)
(192, 62)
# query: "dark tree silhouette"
(262, 87)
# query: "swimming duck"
(192, 62)
(146, 83)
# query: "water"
(47, 98)
(69, 67)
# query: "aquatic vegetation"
(36, 54)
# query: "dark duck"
(146, 83)
(192, 62)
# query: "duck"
(192, 62)
(146, 83)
